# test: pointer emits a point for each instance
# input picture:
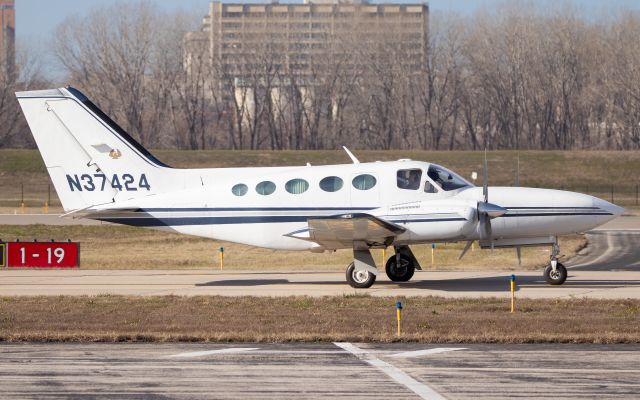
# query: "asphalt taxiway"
(342, 370)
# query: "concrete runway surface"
(342, 370)
(530, 284)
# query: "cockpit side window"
(429, 188)
(409, 178)
(446, 179)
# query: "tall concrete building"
(297, 40)
(7, 36)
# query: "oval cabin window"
(265, 188)
(331, 184)
(364, 182)
(240, 189)
(296, 186)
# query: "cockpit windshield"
(446, 179)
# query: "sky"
(36, 20)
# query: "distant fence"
(30, 195)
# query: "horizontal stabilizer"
(92, 212)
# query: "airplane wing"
(343, 230)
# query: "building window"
(296, 186)
(331, 184)
(364, 182)
(240, 189)
(265, 188)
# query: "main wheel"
(555, 278)
(359, 279)
(402, 272)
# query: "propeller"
(517, 183)
(486, 210)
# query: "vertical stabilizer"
(90, 159)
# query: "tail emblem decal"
(115, 154)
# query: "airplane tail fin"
(91, 160)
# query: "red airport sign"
(42, 254)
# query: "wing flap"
(343, 230)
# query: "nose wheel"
(555, 273)
(555, 276)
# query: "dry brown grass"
(349, 318)
(117, 247)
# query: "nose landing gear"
(555, 273)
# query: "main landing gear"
(400, 267)
(362, 272)
(555, 273)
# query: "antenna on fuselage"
(351, 156)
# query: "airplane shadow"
(244, 282)
(479, 284)
(502, 284)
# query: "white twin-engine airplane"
(101, 173)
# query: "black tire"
(402, 273)
(359, 279)
(559, 277)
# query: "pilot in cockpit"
(409, 179)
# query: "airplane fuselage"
(209, 208)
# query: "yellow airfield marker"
(398, 314)
(513, 293)
(433, 254)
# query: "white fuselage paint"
(210, 209)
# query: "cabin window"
(446, 179)
(331, 184)
(240, 189)
(296, 186)
(265, 188)
(364, 182)
(409, 178)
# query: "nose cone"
(608, 208)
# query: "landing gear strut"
(555, 273)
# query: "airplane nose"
(608, 207)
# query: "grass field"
(592, 172)
(116, 247)
(348, 318)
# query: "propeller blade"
(485, 227)
(485, 179)
(466, 248)
(519, 254)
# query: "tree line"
(514, 78)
